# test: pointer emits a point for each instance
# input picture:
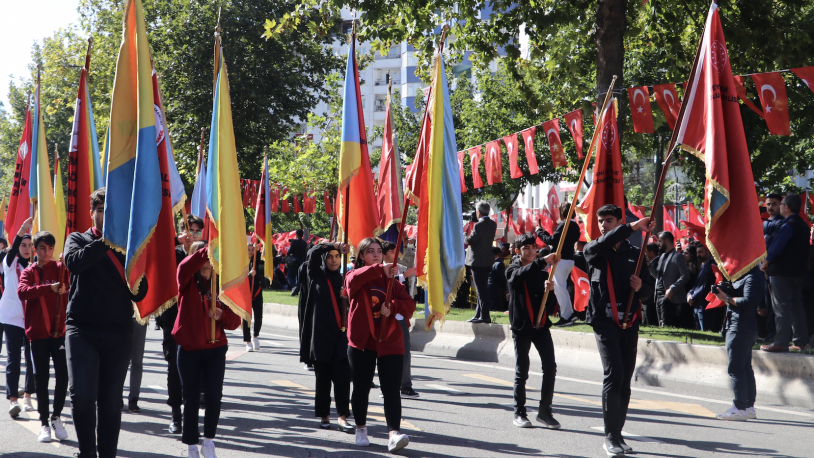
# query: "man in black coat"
(297, 251)
(611, 268)
(497, 281)
(672, 277)
(99, 334)
(480, 259)
(563, 272)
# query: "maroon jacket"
(40, 302)
(367, 287)
(192, 325)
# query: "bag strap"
(117, 264)
(336, 306)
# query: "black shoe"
(562, 322)
(522, 421)
(475, 320)
(175, 427)
(625, 447)
(612, 447)
(295, 291)
(472, 319)
(544, 416)
(133, 408)
(408, 393)
(325, 425)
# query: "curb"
(781, 378)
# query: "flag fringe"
(161, 309)
(136, 256)
(180, 204)
(234, 307)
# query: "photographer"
(742, 298)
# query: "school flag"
(19, 208)
(198, 202)
(607, 185)
(45, 214)
(711, 129)
(59, 204)
(178, 194)
(356, 195)
(390, 199)
(262, 221)
(440, 244)
(227, 227)
(574, 122)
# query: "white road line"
(628, 435)
(157, 388)
(443, 388)
(640, 390)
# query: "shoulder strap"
(117, 264)
(336, 306)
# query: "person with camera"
(742, 298)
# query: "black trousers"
(545, 348)
(257, 319)
(666, 310)
(176, 395)
(97, 366)
(617, 349)
(42, 352)
(209, 365)
(338, 373)
(363, 367)
(17, 342)
(480, 276)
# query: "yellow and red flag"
(262, 221)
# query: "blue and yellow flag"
(134, 185)
(440, 245)
(45, 214)
(224, 203)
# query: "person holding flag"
(256, 274)
(563, 272)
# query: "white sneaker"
(193, 452)
(361, 437)
(397, 442)
(14, 409)
(733, 414)
(27, 406)
(208, 451)
(751, 413)
(256, 343)
(59, 429)
(45, 434)
(249, 346)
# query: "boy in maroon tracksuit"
(41, 287)
(198, 359)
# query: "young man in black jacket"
(99, 334)
(611, 267)
(528, 281)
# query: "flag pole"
(200, 153)
(213, 290)
(331, 236)
(87, 55)
(346, 205)
(575, 200)
(663, 176)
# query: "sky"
(21, 24)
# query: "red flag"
(326, 200)
(416, 170)
(667, 99)
(582, 289)
(803, 213)
(694, 215)
(19, 206)
(494, 163)
(474, 157)
(80, 171)
(640, 110)
(574, 122)
(553, 204)
(711, 128)
(669, 224)
(244, 192)
(552, 133)
(511, 147)
(671, 211)
(741, 90)
(712, 300)
(528, 141)
(635, 211)
(546, 222)
(607, 186)
(697, 231)
(771, 88)
(275, 198)
(461, 155)
(297, 207)
(806, 74)
(284, 193)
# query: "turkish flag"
(806, 74)
(712, 300)
(511, 147)
(640, 110)
(582, 289)
(284, 192)
(326, 200)
(574, 122)
(553, 204)
(667, 99)
(546, 222)
(803, 213)
(671, 210)
(297, 207)
(669, 224)
(461, 155)
(494, 163)
(741, 90)
(697, 231)
(694, 215)
(635, 211)
(552, 133)
(474, 159)
(771, 88)
(528, 142)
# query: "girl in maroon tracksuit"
(366, 287)
(196, 356)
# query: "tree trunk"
(610, 50)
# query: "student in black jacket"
(99, 334)
(497, 281)
(611, 265)
(528, 281)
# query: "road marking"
(574, 398)
(486, 378)
(628, 435)
(157, 388)
(443, 388)
(296, 386)
(691, 409)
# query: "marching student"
(563, 272)
(528, 282)
(256, 273)
(199, 361)
(611, 264)
(328, 344)
(40, 286)
(366, 287)
(99, 334)
(13, 318)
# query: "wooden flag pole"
(213, 290)
(345, 255)
(575, 200)
(389, 296)
(200, 153)
(60, 276)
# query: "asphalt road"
(465, 410)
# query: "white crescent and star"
(774, 93)
(581, 279)
(573, 125)
(638, 92)
(670, 94)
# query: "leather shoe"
(476, 320)
(175, 427)
(774, 348)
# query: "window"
(380, 102)
(393, 53)
(382, 78)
